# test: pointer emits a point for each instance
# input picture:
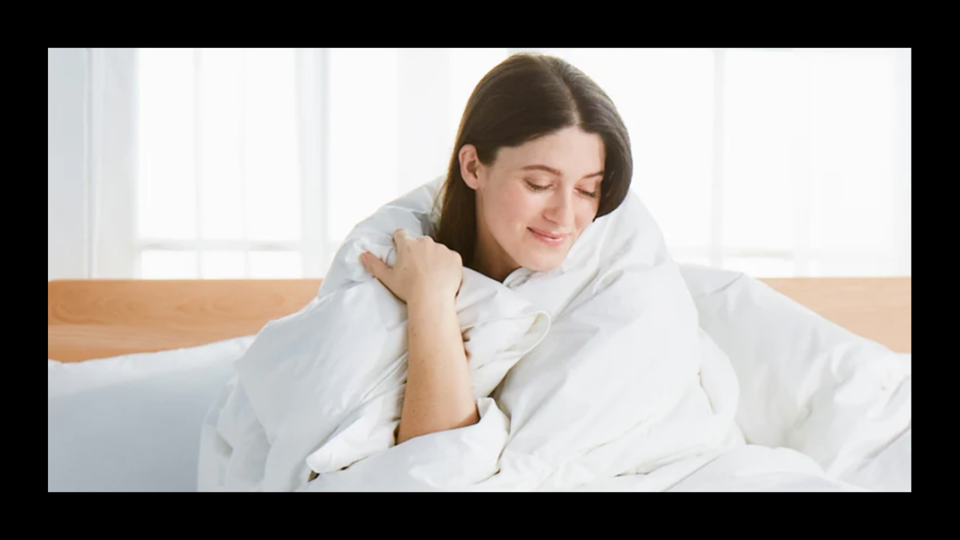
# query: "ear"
(470, 166)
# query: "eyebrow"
(556, 172)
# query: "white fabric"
(132, 422)
(325, 385)
(603, 377)
(809, 384)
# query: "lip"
(548, 238)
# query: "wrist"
(430, 297)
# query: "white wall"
(66, 164)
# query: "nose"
(560, 209)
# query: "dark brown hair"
(525, 97)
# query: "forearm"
(439, 395)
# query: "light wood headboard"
(89, 319)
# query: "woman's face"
(534, 200)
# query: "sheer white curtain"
(256, 163)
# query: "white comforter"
(599, 375)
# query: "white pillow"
(805, 382)
(132, 423)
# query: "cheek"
(515, 208)
(585, 215)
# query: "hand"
(423, 269)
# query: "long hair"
(525, 97)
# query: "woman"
(541, 152)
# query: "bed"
(133, 365)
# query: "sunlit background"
(256, 163)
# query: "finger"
(399, 236)
(376, 267)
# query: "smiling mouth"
(547, 238)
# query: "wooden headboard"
(89, 319)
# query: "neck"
(486, 266)
(489, 258)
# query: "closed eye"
(536, 187)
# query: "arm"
(439, 395)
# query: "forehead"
(574, 152)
